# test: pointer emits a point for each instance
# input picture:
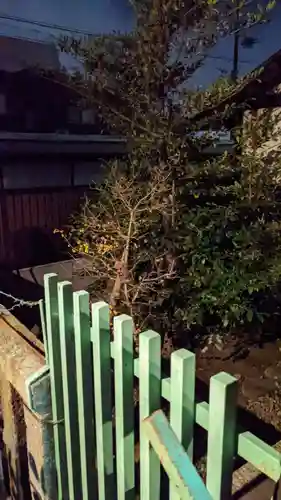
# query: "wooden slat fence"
(92, 390)
(27, 219)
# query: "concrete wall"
(21, 355)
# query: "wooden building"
(43, 178)
(51, 150)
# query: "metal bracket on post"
(39, 401)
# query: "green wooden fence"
(92, 392)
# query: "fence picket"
(43, 327)
(174, 459)
(103, 400)
(85, 394)
(221, 435)
(124, 406)
(54, 360)
(66, 329)
(149, 401)
(182, 409)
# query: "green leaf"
(250, 315)
(271, 5)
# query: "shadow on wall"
(37, 246)
(16, 457)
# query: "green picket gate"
(92, 381)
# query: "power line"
(228, 59)
(78, 31)
(45, 25)
(29, 39)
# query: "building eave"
(18, 143)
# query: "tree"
(164, 235)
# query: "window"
(32, 175)
(87, 173)
(88, 117)
(30, 121)
(74, 115)
(3, 107)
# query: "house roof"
(271, 70)
(17, 54)
(265, 78)
(255, 90)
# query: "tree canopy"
(139, 80)
(177, 240)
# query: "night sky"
(106, 15)
(90, 15)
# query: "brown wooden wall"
(27, 221)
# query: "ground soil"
(258, 369)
